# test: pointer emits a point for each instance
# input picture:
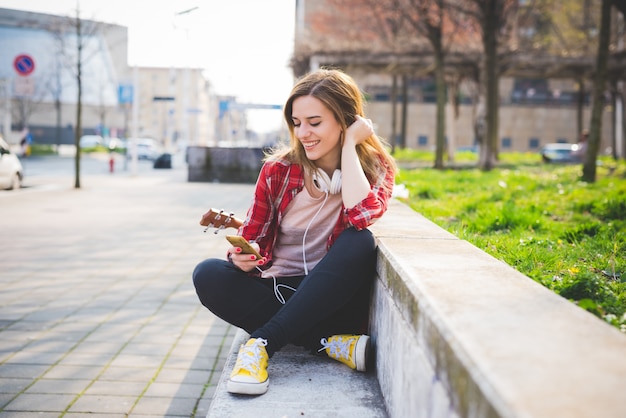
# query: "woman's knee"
(204, 270)
(360, 241)
(209, 273)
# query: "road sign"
(24, 64)
(125, 93)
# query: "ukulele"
(219, 220)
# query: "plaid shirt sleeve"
(366, 212)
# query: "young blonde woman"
(313, 202)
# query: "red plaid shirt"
(280, 181)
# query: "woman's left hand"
(359, 131)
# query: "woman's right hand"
(246, 262)
(359, 131)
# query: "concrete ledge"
(459, 333)
(301, 384)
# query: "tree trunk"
(452, 114)
(57, 107)
(405, 110)
(580, 106)
(57, 102)
(614, 119)
(620, 148)
(79, 104)
(595, 127)
(394, 112)
(440, 85)
(490, 80)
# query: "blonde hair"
(341, 95)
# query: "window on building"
(530, 90)
(533, 143)
(506, 142)
(422, 140)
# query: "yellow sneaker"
(249, 376)
(351, 350)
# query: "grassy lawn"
(44, 149)
(539, 218)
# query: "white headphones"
(325, 184)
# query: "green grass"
(44, 149)
(540, 219)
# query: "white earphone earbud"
(325, 184)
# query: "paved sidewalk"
(98, 315)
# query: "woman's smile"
(318, 131)
(309, 144)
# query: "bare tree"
(73, 38)
(493, 18)
(619, 96)
(427, 18)
(599, 87)
(399, 26)
(566, 29)
(367, 26)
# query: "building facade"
(175, 105)
(534, 110)
(45, 98)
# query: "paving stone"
(116, 388)
(25, 371)
(103, 404)
(32, 403)
(58, 386)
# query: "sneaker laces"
(337, 347)
(250, 355)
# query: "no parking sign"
(24, 64)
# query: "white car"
(11, 171)
(559, 153)
(146, 148)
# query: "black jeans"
(333, 299)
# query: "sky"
(243, 45)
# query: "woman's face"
(318, 131)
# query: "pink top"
(303, 216)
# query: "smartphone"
(241, 242)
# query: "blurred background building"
(38, 86)
(44, 100)
(176, 106)
(540, 87)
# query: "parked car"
(11, 171)
(147, 149)
(90, 141)
(163, 161)
(559, 153)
